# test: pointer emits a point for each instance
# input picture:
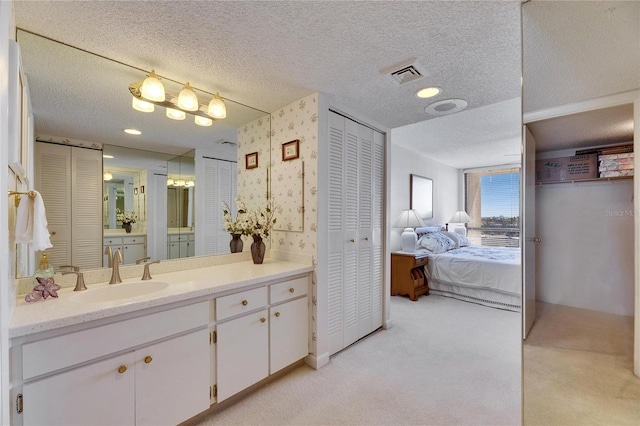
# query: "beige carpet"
(444, 362)
(578, 369)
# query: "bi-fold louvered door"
(356, 180)
(70, 182)
(219, 185)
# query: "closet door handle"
(366, 238)
(352, 240)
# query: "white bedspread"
(495, 268)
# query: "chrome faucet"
(115, 271)
(79, 277)
(109, 253)
(147, 275)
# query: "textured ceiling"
(604, 126)
(269, 54)
(578, 50)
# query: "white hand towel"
(31, 223)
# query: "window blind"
(492, 201)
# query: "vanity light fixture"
(190, 183)
(217, 108)
(152, 88)
(170, 182)
(132, 132)
(180, 182)
(187, 99)
(147, 94)
(107, 176)
(203, 121)
(142, 106)
(428, 92)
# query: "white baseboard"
(387, 324)
(317, 362)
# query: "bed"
(489, 276)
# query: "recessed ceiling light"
(133, 131)
(107, 156)
(446, 106)
(428, 92)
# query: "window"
(492, 200)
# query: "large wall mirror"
(81, 97)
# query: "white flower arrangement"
(257, 223)
(125, 217)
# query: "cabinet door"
(133, 252)
(174, 250)
(96, 394)
(172, 379)
(289, 333)
(243, 353)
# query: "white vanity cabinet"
(131, 247)
(259, 332)
(159, 372)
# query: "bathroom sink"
(119, 291)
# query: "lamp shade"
(152, 88)
(142, 106)
(217, 108)
(460, 217)
(187, 99)
(203, 121)
(409, 219)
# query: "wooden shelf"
(602, 179)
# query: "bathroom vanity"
(157, 352)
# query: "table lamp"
(409, 220)
(460, 218)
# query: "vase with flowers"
(254, 222)
(126, 218)
(234, 226)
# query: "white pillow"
(436, 242)
(459, 240)
(428, 229)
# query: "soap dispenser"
(44, 270)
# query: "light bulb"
(152, 88)
(142, 106)
(203, 121)
(190, 183)
(175, 114)
(180, 182)
(170, 182)
(107, 176)
(217, 108)
(187, 99)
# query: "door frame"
(630, 97)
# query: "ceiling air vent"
(405, 72)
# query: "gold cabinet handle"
(245, 303)
(277, 314)
(263, 319)
(122, 369)
(147, 359)
(53, 232)
(291, 290)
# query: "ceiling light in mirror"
(152, 88)
(132, 132)
(428, 92)
(217, 108)
(142, 106)
(107, 156)
(203, 121)
(180, 182)
(107, 176)
(190, 183)
(187, 99)
(170, 182)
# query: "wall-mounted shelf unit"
(602, 179)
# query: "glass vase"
(257, 249)
(236, 245)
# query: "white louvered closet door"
(219, 185)
(356, 178)
(86, 208)
(53, 181)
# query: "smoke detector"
(405, 72)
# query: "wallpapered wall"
(298, 120)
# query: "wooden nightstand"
(407, 275)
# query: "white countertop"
(54, 313)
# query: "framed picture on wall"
(290, 150)
(422, 196)
(251, 160)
